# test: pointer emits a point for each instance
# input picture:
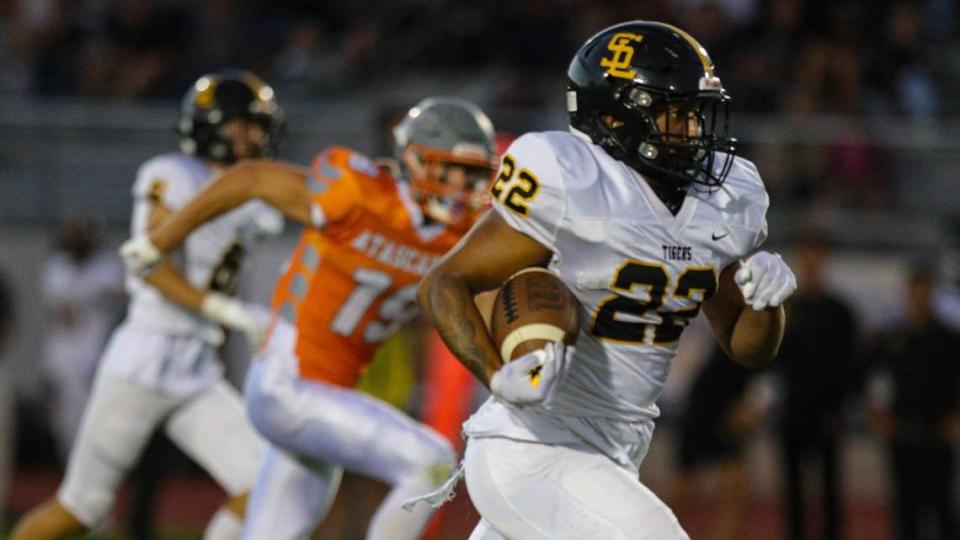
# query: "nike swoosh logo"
(718, 237)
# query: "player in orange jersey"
(350, 284)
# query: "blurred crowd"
(798, 56)
(792, 59)
(834, 377)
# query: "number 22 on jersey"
(515, 193)
(618, 317)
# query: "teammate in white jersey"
(160, 369)
(646, 214)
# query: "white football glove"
(235, 315)
(140, 255)
(765, 280)
(532, 378)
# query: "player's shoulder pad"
(175, 174)
(744, 196)
(553, 154)
(343, 166)
(338, 161)
(745, 179)
(533, 147)
(575, 159)
(530, 189)
(744, 188)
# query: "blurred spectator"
(828, 72)
(816, 365)
(82, 290)
(736, 12)
(901, 77)
(764, 59)
(803, 56)
(856, 172)
(306, 63)
(921, 422)
(710, 22)
(946, 301)
(7, 401)
(49, 36)
(538, 29)
(6, 313)
(719, 418)
(212, 39)
(140, 53)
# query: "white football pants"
(532, 491)
(317, 430)
(210, 427)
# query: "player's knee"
(437, 464)
(268, 406)
(266, 414)
(446, 453)
(439, 450)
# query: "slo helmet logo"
(621, 47)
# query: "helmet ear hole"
(649, 151)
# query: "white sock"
(224, 525)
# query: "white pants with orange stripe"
(531, 491)
(317, 430)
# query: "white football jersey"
(89, 292)
(639, 272)
(209, 254)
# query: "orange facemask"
(451, 187)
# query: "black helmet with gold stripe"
(646, 93)
(218, 98)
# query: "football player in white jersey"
(646, 214)
(160, 369)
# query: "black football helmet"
(626, 76)
(215, 99)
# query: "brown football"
(532, 308)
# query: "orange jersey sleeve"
(333, 186)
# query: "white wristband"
(215, 306)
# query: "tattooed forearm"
(448, 302)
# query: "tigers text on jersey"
(353, 284)
(210, 255)
(639, 272)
